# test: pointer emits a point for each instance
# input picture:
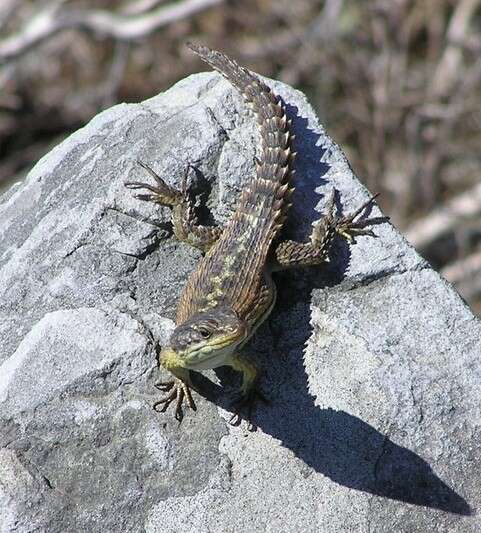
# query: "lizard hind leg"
(184, 221)
(291, 253)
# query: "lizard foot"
(246, 402)
(353, 225)
(162, 193)
(178, 391)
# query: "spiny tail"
(267, 197)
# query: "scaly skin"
(231, 291)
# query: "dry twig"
(447, 71)
(466, 275)
(54, 19)
(445, 218)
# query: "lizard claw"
(351, 226)
(246, 401)
(178, 391)
(162, 193)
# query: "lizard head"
(205, 340)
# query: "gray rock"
(371, 365)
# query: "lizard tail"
(267, 197)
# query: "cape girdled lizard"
(231, 292)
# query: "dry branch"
(141, 6)
(446, 218)
(463, 269)
(54, 19)
(447, 71)
(466, 275)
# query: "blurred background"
(397, 83)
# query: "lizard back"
(232, 271)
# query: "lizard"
(231, 292)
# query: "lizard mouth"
(202, 356)
(211, 354)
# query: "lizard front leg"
(177, 389)
(291, 253)
(184, 222)
(248, 393)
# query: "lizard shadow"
(334, 443)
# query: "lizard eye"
(205, 333)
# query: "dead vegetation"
(398, 85)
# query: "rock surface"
(371, 365)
